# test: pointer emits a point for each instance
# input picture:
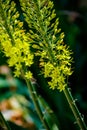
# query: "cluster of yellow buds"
(55, 56)
(44, 35)
(14, 41)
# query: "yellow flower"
(28, 75)
(17, 73)
(48, 67)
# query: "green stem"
(36, 103)
(3, 123)
(77, 114)
(49, 111)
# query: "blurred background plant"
(15, 103)
(73, 21)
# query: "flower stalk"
(33, 94)
(3, 123)
(77, 114)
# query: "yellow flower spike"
(13, 39)
(55, 57)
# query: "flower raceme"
(59, 70)
(44, 35)
(19, 55)
(55, 56)
(13, 39)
